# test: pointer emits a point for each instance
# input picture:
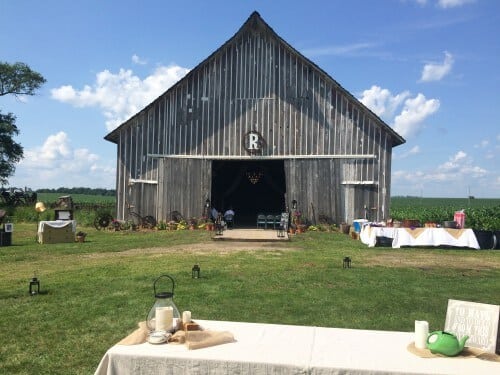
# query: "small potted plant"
(80, 236)
(192, 223)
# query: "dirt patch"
(214, 247)
(427, 261)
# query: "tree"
(16, 79)
(10, 151)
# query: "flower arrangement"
(115, 224)
(80, 236)
(172, 225)
(181, 225)
(296, 217)
(162, 225)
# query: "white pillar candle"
(421, 333)
(186, 317)
(164, 318)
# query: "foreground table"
(420, 237)
(285, 349)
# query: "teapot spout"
(462, 341)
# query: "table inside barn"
(286, 349)
(420, 236)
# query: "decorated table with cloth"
(56, 231)
(420, 236)
(286, 349)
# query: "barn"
(256, 126)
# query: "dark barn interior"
(249, 187)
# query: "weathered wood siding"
(257, 82)
(186, 186)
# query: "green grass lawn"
(97, 291)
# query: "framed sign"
(479, 321)
(253, 142)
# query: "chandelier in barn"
(254, 176)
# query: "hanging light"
(254, 176)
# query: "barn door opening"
(249, 187)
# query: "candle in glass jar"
(421, 334)
(164, 318)
(186, 317)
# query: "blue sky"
(429, 68)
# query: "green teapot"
(445, 343)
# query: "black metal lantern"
(347, 262)
(207, 203)
(294, 204)
(195, 272)
(34, 286)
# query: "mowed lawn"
(95, 293)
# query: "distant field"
(77, 198)
(480, 213)
(396, 202)
(453, 203)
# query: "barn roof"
(255, 23)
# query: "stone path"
(250, 235)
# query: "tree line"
(80, 190)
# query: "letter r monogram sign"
(253, 142)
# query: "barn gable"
(255, 85)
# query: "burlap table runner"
(192, 339)
(455, 232)
(466, 353)
(415, 232)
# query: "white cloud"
(339, 50)
(497, 182)
(137, 60)
(413, 113)
(120, 95)
(437, 71)
(410, 121)
(458, 168)
(453, 3)
(483, 144)
(445, 3)
(381, 101)
(415, 150)
(56, 164)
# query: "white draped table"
(285, 349)
(420, 236)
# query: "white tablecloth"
(284, 349)
(420, 237)
(57, 224)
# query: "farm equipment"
(18, 197)
(135, 220)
